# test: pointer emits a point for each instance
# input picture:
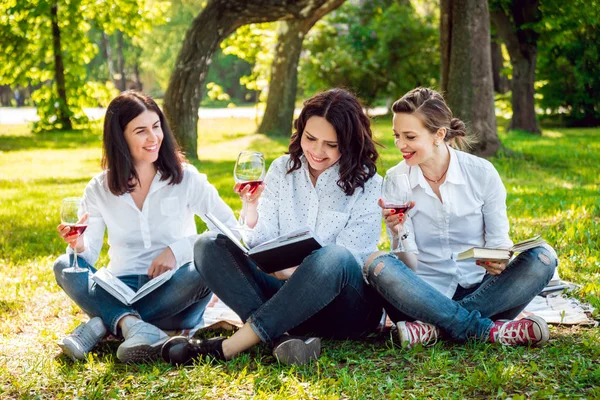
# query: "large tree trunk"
(501, 84)
(283, 83)
(217, 20)
(445, 38)
(62, 112)
(466, 64)
(521, 43)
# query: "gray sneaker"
(143, 343)
(83, 339)
(297, 350)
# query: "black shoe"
(180, 350)
(296, 349)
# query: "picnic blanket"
(556, 308)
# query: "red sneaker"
(527, 331)
(412, 333)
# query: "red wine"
(398, 209)
(76, 229)
(253, 185)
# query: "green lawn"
(553, 189)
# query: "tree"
(515, 22)
(501, 83)
(46, 45)
(466, 69)
(283, 82)
(380, 50)
(568, 70)
(215, 22)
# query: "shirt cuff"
(182, 250)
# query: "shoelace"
(143, 329)
(84, 335)
(514, 333)
(422, 333)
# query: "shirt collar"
(332, 172)
(454, 174)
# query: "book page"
(113, 285)
(528, 244)
(152, 284)
(226, 231)
(292, 237)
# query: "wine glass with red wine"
(397, 194)
(71, 211)
(249, 171)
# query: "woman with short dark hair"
(146, 197)
(328, 182)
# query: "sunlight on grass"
(552, 184)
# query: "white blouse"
(472, 214)
(136, 237)
(290, 201)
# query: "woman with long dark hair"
(328, 182)
(146, 198)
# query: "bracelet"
(404, 237)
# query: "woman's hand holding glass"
(73, 217)
(72, 236)
(249, 173)
(393, 220)
(396, 200)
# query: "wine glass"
(71, 211)
(249, 171)
(397, 194)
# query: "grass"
(553, 187)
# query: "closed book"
(490, 254)
(283, 252)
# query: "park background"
(524, 75)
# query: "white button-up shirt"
(136, 237)
(472, 213)
(290, 201)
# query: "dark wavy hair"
(116, 157)
(355, 138)
(429, 106)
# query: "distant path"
(23, 115)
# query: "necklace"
(441, 177)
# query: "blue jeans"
(326, 296)
(469, 314)
(177, 304)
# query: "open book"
(283, 252)
(487, 254)
(124, 293)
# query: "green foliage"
(254, 43)
(568, 60)
(162, 46)
(379, 49)
(552, 189)
(28, 58)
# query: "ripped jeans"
(471, 312)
